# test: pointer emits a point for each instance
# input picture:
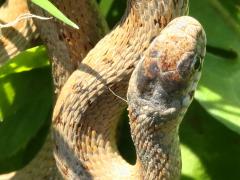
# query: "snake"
(155, 57)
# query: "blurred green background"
(210, 132)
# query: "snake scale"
(155, 58)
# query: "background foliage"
(210, 132)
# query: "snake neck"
(159, 95)
(156, 140)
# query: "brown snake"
(86, 114)
(167, 67)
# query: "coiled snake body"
(161, 88)
(165, 65)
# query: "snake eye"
(198, 63)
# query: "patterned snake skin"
(87, 113)
(153, 57)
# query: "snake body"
(86, 113)
(67, 46)
(165, 65)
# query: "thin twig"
(23, 17)
(116, 95)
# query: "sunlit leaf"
(27, 60)
(219, 90)
(24, 155)
(209, 149)
(49, 7)
(192, 166)
(25, 106)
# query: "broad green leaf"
(27, 60)
(219, 90)
(105, 6)
(25, 106)
(192, 168)
(23, 156)
(209, 149)
(49, 7)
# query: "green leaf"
(23, 156)
(209, 149)
(49, 7)
(25, 106)
(219, 90)
(27, 60)
(112, 10)
(105, 7)
(192, 166)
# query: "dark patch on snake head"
(189, 63)
(171, 81)
(177, 78)
(184, 66)
(151, 69)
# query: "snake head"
(168, 73)
(176, 55)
